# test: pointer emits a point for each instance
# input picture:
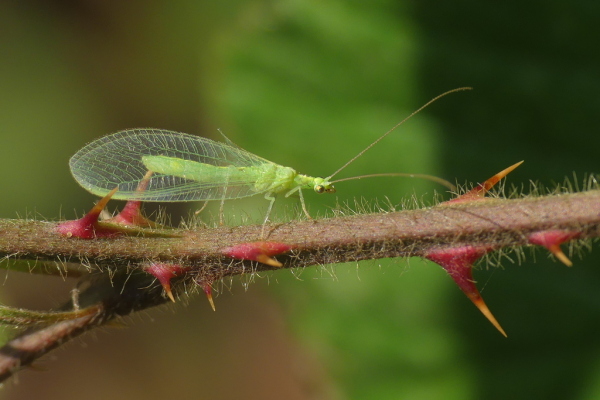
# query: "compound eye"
(319, 188)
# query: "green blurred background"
(308, 84)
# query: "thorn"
(551, 240)
(167, 289)
(491, 182)
(88, 226)
(97, 209)
(479, 191)
(480, 304)
(131, 214)
(258, 251)
(265, 259)
(458, 262)
(558, 253)
(164, 272)
(208, 291)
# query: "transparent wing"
(115, 160)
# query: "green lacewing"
(191, 168)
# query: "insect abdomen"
(187, 169)
(268, 177)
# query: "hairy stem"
(494, 223)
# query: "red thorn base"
(551, 240)
(164, 272)
(88, 227)
(458, 262)
(258, 251)
(208, 291)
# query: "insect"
(191, 168)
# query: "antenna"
(397, 125)
(433, 178)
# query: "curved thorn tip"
(265, 259)
(560, 255)
(480, 304)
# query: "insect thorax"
(273, 178)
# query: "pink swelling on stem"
(131, 214)
(551, 240)
(164, 272)
(258, 251)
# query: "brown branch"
(106, 298)
(29, 346)
(492, 223)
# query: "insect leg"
(271, 198)
(303, 204)
(201, 208)
(299, 190)
(222, 206)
